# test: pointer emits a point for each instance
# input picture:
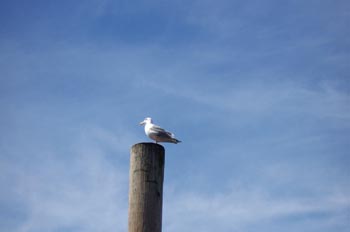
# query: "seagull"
(157, 133)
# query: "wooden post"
(146, 187)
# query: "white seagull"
(157, 133)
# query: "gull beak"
(142, 123)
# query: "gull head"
(146, 120)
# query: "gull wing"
(161, 132)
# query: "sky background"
(258, 91)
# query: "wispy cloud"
(268, 98)
(85, 190)
(244, 209)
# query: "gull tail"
(173, 140)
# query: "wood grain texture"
(146, 187)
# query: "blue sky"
(258, 91)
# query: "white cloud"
(85, 190)
(241, 209)
(268, 98)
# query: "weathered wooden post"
(146, 187)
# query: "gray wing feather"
(161, 132)
(156, 128)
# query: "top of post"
(152, 146)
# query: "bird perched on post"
(157, 133)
